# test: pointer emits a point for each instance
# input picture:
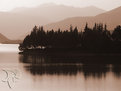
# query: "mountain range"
(111, 18)
(54, 12)
(19, 21)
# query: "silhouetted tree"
(116, 35)
(96, 38)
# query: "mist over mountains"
(54, 12)
(111, 18)
(21, 20)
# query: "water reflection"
(88, 66)
(98, 71)
(117, 70)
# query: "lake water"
(45, 73)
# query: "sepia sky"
(7, 5)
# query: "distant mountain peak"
(94, 8)
(25, 18)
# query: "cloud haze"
(6, 5)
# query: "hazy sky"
(6, 5)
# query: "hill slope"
(111, 18)
(5, 40)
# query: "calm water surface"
(42, 73)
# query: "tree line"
(96, 38)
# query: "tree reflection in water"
(89, 66)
